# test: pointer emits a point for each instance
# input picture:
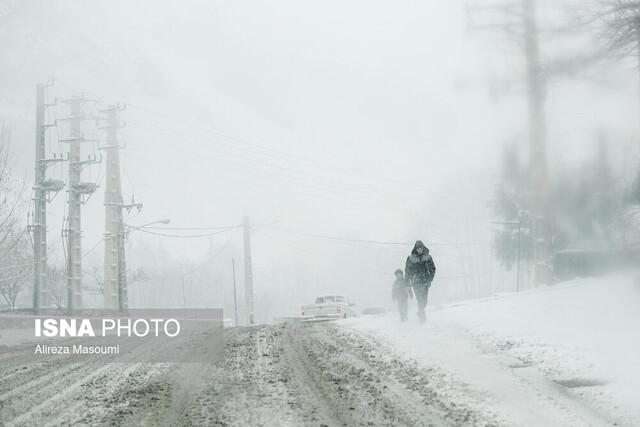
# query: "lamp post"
(129, 228)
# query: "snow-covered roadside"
(562, 355)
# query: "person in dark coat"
(401, 292)
(419, 272)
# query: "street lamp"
(138, 227)
(159, 221)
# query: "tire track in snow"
(272, 375)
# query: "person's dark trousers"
(422, 295)
(403, 307)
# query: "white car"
(328, 307)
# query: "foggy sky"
(357, 119)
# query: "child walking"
(401, 292)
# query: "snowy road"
(366, 371)
(314, 374)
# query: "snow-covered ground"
(565, 355)
(568, 354)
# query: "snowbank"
(566, 355)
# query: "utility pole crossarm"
(77, 138)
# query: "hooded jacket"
(419, 269)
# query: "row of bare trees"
(16, 255)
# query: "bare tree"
(15, 272)
(133, 277)
(619, 26)
(12, 204)
(57, 287)
(15, 252)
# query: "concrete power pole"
(235, 299)
(42, 190)
(40, 207)
(113, 213)
(78, 193)
(248, 273)
(115, 267)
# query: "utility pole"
(184, 298)
(115, 266)
(40, 207)
(42, 190)
(78, 192)
(114, 228)
(123, 298)
(248, 272)
(235, 299)
(519, 252)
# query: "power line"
(301, 183)
(297, 182)
(365, 241)
(344, 239)
(228, 227)
(184, 236)
(282, 155)
(276, 152)
(346, 181)
(315, 255)
(214, 256)
(93, 248)
(344, 187)
(285, 171)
